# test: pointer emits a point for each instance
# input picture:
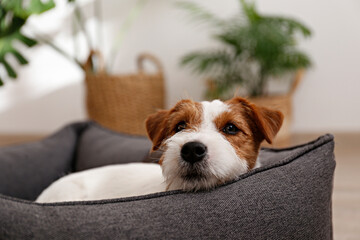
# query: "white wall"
(49, 92)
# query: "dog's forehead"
(213, 109)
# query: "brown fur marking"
(161, 125)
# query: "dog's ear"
(267, 121)
(156, 127)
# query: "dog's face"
(209, 143)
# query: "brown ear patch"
(161, 124)
(267, 121)
(156, 127)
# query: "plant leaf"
(249, 11)
(38, 6)
(16, 7)
(13, 16)
(290, 61)
(290, 25)
(202, 62)
(26, 40)
(199, 14)
(34, 7)
(9, 69)
(19, 57)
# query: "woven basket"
(284, 104)
(122, 102)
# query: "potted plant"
(253, 50)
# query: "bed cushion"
(289, 197)
(27, 169)
(99, 146)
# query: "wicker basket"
(284, 104)
(122, 102)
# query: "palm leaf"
(231, 38)
(199, 14)
(202, 62)
(290, 61)
(249, 11)
(291, 25)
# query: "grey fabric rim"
(322, 140)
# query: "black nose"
(193, 152)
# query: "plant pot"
(123, 102)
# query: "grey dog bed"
(289, 197)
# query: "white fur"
(113, 181)
(220, 165)
(257, 163)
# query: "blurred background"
(326, 100)
(193, 49)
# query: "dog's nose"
(193, 152)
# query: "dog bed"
(289, 197)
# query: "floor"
(346, 196)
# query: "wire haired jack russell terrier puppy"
(204, 144)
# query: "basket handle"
(146, 56)
(88, 66)
(297, 79)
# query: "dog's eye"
(230, 129)
(180, 126)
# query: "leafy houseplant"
(13, 16)
(253, 48)
(15, 13)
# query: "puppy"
(204, 145)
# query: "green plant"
(254, 47)
(13, 15)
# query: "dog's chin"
(192, 177)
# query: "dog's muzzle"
(193, 152)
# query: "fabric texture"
(99, 146)
(25, 170)
(289, 197)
